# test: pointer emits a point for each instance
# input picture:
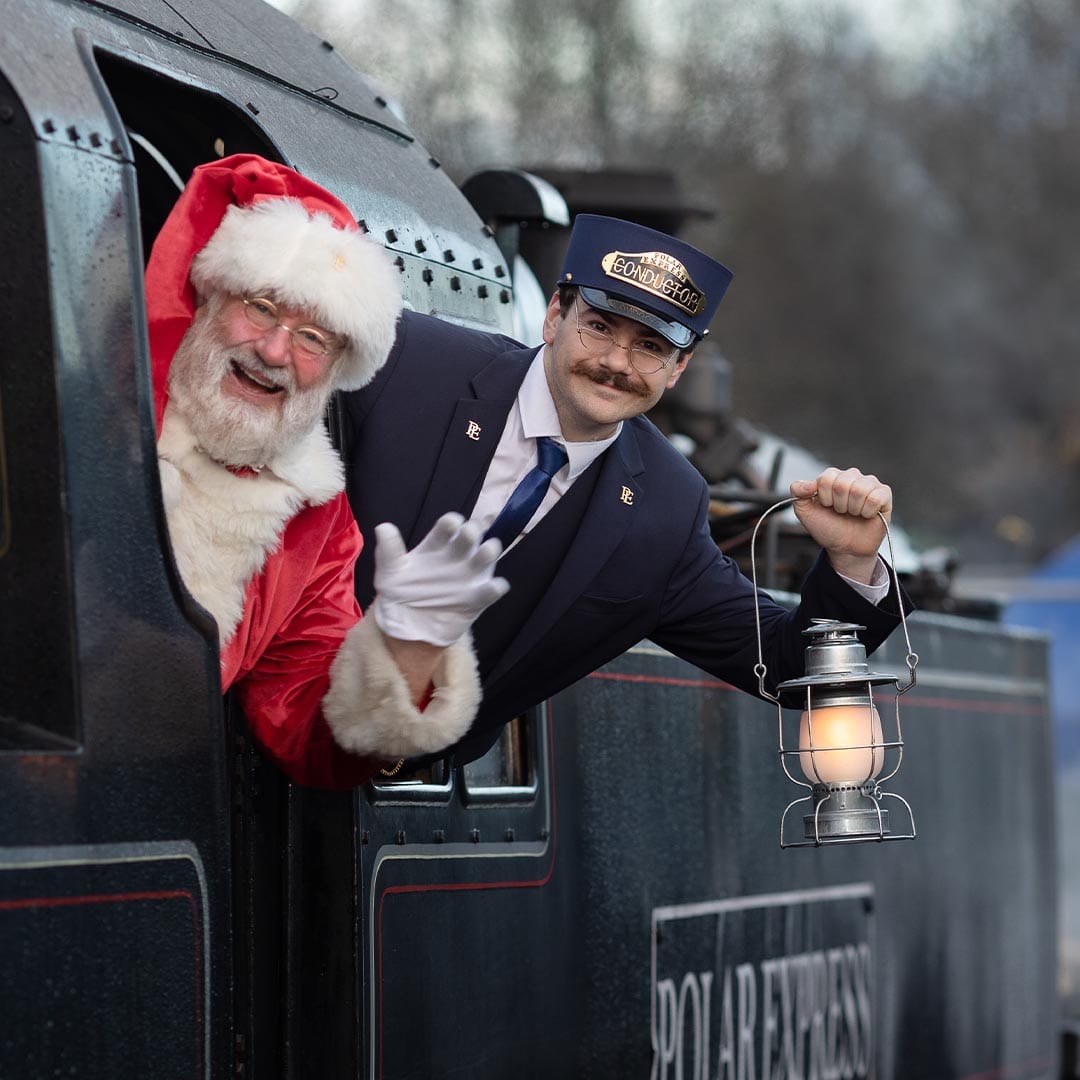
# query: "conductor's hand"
(843, 518)
(434, 592)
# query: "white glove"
(434, 592)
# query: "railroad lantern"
(841, 745)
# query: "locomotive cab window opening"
(37, 647)
(428, 781)
(173, 126)
(507, 772)
(508, 769)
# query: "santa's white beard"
(229, 429)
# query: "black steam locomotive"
(603, 895)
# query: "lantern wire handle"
(911, 659)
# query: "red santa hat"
(250, 226)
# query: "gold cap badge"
(657, 273)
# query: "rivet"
(73, 133)
(427, 275)
(500, 272)
(448, 255)
(391, 236)
(421, 246)
(509, 834)
(482, 292)
(95, 139)
(474, 836)
(48, 127)
(327, 46)
(381, 102)
(478, 264)
(434, 163)
(253, 108)
(504, 297)
(399, 838)
(455, 283)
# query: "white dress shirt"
(532, 416)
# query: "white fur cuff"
(369, 709)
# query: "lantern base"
(845, 813)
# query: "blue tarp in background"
(1050, 601)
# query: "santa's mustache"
(248, 362)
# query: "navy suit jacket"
(625, 555)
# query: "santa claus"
(263, 297)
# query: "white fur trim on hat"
(347, 282)
(369, 709)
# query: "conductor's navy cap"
(639, 273)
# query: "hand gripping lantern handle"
(911, 659)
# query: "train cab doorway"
(173, 126)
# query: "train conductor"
(603, 522)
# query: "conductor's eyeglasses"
(647, 354)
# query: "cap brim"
(679, 335)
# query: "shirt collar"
(539, 418)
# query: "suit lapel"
(619, 495)
(471, 439)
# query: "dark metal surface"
(94, 937)
(666, 802)
(271, 44)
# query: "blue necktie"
(529, 494)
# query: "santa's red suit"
(270, 551)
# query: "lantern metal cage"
(844, 779)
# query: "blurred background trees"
(894, 184)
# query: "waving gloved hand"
(435, 592)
